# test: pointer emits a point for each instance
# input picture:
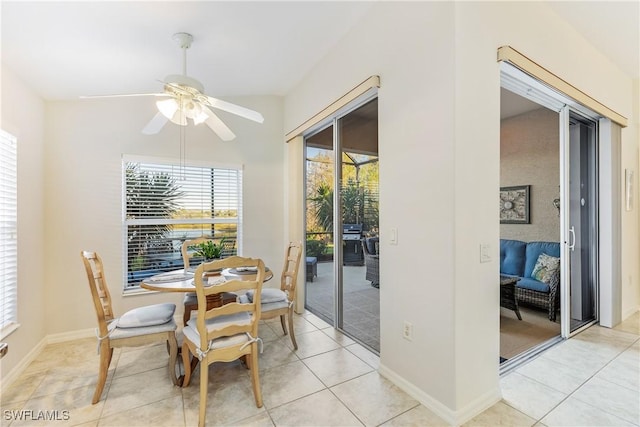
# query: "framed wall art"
(514, 205)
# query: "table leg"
(517, 310)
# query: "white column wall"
(23, 116)
(630, 159)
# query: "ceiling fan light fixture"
(167, 107)
(191, 108)
(201, 117)
(179, 118)
(183, 98)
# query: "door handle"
(572, 231)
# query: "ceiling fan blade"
(123, 95)
(155, 124)
(233, 108)
(218, 126)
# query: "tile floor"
(361, 302)
(589, 380)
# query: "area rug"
(517, 336)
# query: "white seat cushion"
(218, 323)
(274, 305)
(149, 315)
(269, 295)
(143, 330)
(190, 299)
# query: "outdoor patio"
(361, 302)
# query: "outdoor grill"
(352, 248)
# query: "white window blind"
(8, 233)
(168, 203)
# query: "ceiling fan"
(185, 99)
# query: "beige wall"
(84, 191)
(23, 116)
(630, 159)
(530, 155)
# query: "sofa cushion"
(546, 268)
(533, 284)
(512, 257)
(533, 251)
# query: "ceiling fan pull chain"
(184, 60)
(183, 151)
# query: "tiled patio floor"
(361, 302)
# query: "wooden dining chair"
(136, 327)
(225, 333)
(280, 302)
(190, 301)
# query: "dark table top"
(508, 280)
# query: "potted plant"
(209, 250)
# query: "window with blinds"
(8, 234)
(168, 203)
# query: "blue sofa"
(519, 258)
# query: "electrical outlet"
(407, 331)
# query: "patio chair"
(371, 260)
(139, 326)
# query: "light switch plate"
(393, 238)
(485, 252)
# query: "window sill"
(135, 292)
(8, 330)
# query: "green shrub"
(315, 247)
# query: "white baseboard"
(52, 339)
(452, 417)
(629, 313)
(70, 336)
(35, 352)
(20, 367)
(479, 405)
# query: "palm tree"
(148, 195)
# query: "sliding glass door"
(581, 223)
(320, 247)
(342, 284)
(358, 212)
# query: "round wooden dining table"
(181, 281)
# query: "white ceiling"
(67, 49)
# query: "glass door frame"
(566, 232)
(338, 257)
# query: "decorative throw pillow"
(546, 268)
